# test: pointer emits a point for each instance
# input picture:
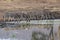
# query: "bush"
(39, 36)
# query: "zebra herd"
(32, 15)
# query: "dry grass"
(26, 4)
(7, 29)
(31, 26)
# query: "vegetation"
(26, 25)
(39, 36)
(13, 36)
(2, 25)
